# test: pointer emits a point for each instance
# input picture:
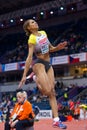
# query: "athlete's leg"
(52, 96)
(45, 82)
(42, 78)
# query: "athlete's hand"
(62, 45)
(22, 82)
(65, 43)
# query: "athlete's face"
(33, 25)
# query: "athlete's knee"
(50, 92)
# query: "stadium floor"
(46, 124)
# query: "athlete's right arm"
(27, 65)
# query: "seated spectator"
(71, 106)
(83, 110)
(76, 112)
(22, 115)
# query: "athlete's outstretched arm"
(60, 46)
(27, 65)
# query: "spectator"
(22, 114)
(71, 107)
(76, 112)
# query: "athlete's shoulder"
(43, 32)
(32, 39)
(31, 36)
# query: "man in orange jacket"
(22, 114)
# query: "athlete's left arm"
(60, 46)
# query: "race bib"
(44, 48)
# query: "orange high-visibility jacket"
(22, 111)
